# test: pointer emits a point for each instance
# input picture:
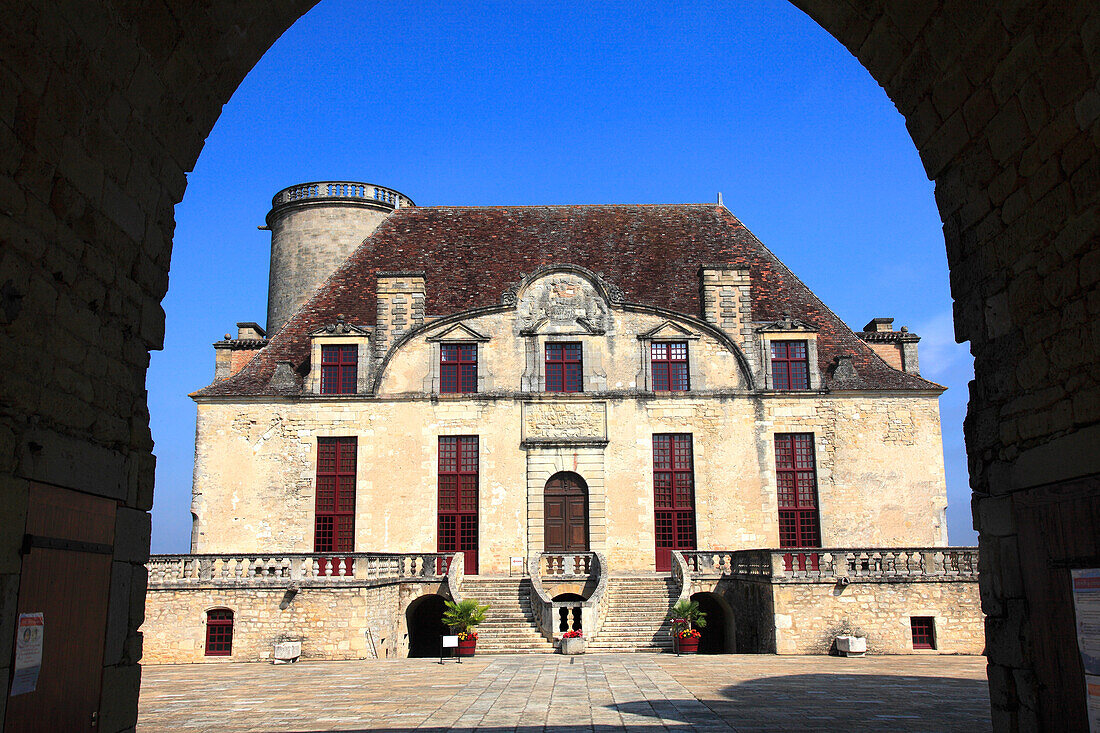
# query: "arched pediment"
(563, 299)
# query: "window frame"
(668, 362)
(561, 366)
(218, 642)
(464, 382)
(458, 522)
(924, 637)
(340, 470)
(677, 514)
(791, 480)
(788, 362)
(346, 370)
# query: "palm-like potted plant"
(463, 618)
(687, 619)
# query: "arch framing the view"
(107, 106)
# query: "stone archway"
(719, 635)
(424, 620)
(106, 106)
(565, 513)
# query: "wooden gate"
(565, 513)
(66, 574)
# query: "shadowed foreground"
(592, 692)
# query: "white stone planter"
(851, 646)
(287, 652)
(572, 646)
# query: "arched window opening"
(219, 632)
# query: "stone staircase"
(509, 626)
(636, 619)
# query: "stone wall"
(331, 622)
(809, 616)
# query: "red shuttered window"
(796, 482)
(338, 365)
(458, 498)
(563, 368)
(790, 365)
(335, 511)
(924, 632)
(669, 362)
(219, 632)
(457, 368)
(673, 496)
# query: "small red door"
(673, 497)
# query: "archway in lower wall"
(424, 620)
(718, 635)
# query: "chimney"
(897, 348)
(231, 354)
(726, 300)
(400, 301)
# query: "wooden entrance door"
(565, 513)
(66, 575)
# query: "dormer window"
(457, 368)
(790, 365)
(338, 369)
(669, 363)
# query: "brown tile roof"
(471, 255)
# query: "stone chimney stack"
(400, 300)
(726, 300)
(231, 354)
(897, 348)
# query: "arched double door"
(565, 513)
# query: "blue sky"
(545, 103)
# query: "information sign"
(28, 653)
(1086, 605)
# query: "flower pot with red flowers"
(687, 641)
(572, 642)
(467, 643)
(686, 616)
(463, 617)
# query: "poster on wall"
(1086, 605)
(28, 653)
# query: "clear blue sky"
(546, 103)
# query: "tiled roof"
(471, 255)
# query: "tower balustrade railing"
(342, 190)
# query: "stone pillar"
(400, 302)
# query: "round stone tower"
(314, 227)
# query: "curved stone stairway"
(509, 626)
(636, 618)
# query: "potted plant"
(572, 642)
(464, 617)
(687, 619)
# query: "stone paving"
(594, 692)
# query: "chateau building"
(581, 413)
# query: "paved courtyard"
(592, 692)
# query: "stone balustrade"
(341, 189)
(171, 571)
(553, 618)
(562, 566)
(867, 565)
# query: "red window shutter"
(457, 368)
(673, 496)
(338, 369)
(669, 365)
(790, 365)
(458, 498)
(796, 490)
(219, 632)
(334, 529)
(564, 370)
(924, 632)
